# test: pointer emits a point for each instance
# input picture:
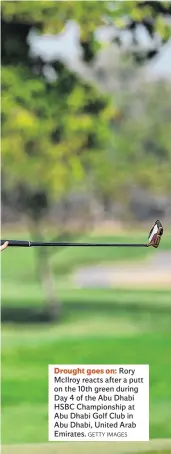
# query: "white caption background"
(98, 403)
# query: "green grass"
(160, 451)
(97, 326)
(87, 299)
(81, 448)
(154, 447)
(20, 284)
(95, 339)
(19, 264)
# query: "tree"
(47, 129)
(51, 16)
(53, 134)
(137, 162)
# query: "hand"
(4, 246)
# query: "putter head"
(155, 234)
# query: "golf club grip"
(16, 243)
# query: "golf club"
(153, 240)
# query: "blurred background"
(86, 155)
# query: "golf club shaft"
(16, 243)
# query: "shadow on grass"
(52, 313)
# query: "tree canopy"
(53, 133)
(50, 17)
(66, 134)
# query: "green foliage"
(46, 128)
(144, 140)
(50, 16)
(55, 135)
(138, 153)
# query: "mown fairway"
(97, 339)
(98, 326)
(154, 447)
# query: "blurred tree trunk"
(45, 272)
